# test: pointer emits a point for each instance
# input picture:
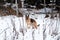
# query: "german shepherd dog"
(30, 22)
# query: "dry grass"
(5, 11)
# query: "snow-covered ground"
(14, 28)
(31, 11)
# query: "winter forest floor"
(15, 28)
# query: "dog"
(30, 22)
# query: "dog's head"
(27, 16)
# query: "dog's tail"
(37, 26)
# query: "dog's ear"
(27, 15)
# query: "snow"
(32, 11)
(7, 4)
(49, 29)
(43, 10)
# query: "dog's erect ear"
(27, 15)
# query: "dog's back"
(34, 23)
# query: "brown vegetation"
(5, 11)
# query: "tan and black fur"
(31, 22)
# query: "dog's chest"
(28, 21)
